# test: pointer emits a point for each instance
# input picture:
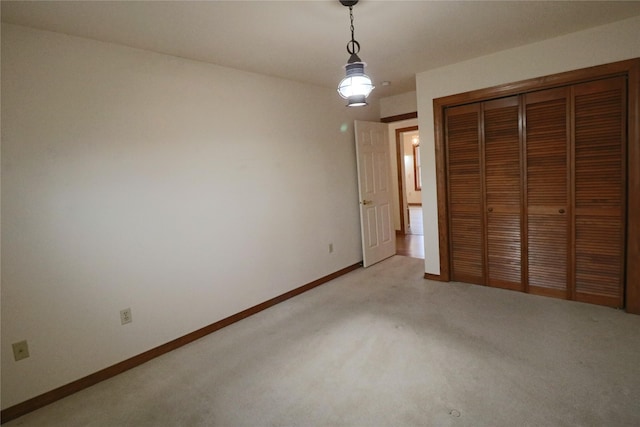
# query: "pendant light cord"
(351, 18)
(353, 44)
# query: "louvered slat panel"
(503, 193)
(546, 139)
(547, 252)
(504, 250)
(598, 256)
(502, 156)
(599, 189)
(464, 186)
(547, 153)
(466, 247)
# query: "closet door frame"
(631, 70)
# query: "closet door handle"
(490, 209)
(561, 211)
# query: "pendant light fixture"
(356, 86)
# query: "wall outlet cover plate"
(20, 350)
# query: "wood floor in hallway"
(411, 245)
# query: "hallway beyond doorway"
(415, 220)
(412, 243)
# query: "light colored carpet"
(384, 347)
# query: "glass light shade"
(356, 86)
(356, 101)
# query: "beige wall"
(398, 104)
(185, 191)
(596, 46)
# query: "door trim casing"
(629, 68)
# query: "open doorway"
(409, 239)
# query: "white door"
(374, 186)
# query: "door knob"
(367, 202)
(561, 211)
(490, 209)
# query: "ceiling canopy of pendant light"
(356, 86)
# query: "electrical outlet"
(330, 247)
(20, 350)
(125, 316)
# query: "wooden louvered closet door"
(465, 193)
(537, 191)
(547, 193)
(503, 201)
(599, 163)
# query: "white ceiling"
(306, 40)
